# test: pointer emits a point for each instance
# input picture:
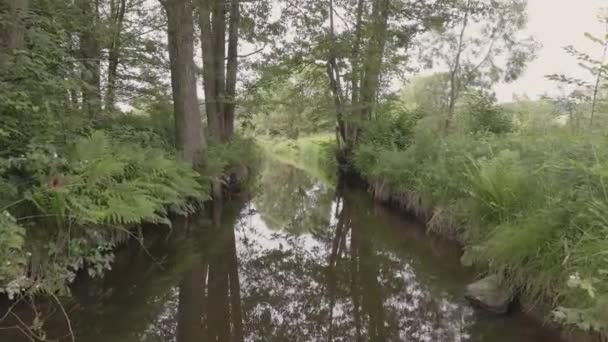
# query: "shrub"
(531, 205)
(69, 203)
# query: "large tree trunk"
(90, 54)
(191, 304)
(219, 78)
(188, 124)
(219, 269)
(373, 60)
(117, 19)
(12, 28)
(209, 72)
(231, 69)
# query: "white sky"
(555, 24)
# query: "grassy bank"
(531, 206)
(526, 205)
(314, 154)
(65, 207)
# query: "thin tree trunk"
(219, 32)
(90, 53)
(118, 15)
(596, 88)
(374, 56)
(231, 69)
(356, 70)
(236, 312)
(12, 28)
(354, 282)
(188, 124)
(333, 72)
(454, 82)
(331, 270)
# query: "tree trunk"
(333, 72)
(118, 15)
(219, 44)
(236, 310)
(356, 71)
(454, 81)
(12, 28)
(188, 124)
(373, 61)
(218, 301)
(209, 72)
(600, 75)
(231, 69)
(191, 304)
(90, 54)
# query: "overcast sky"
(555, 24)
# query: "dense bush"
(531, 205)
(63, 207)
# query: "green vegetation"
(103, 129)
(521, 185)
(63, 207)
(314, 154)
(94, 142)
(527, 202)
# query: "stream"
(297, 260)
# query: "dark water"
(300, 261)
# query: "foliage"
(529, 204)
(91, 190)
(240, 154)
(314, 154)
(393, 126)
(482, 115)
(290, 103)
(482, 44)
(426, 94)
(580, 90)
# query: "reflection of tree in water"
(342, 277)
(337, 285)
(292, 200)
(209, 294)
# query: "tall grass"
(531, 206)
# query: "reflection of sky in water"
(408, 305)
(251, 227)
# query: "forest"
(120, 115)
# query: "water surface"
(301, 260)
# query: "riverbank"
(295, 259)
(527, 206)
(512, 203)
(64, 211)
(437, 223)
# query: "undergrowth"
(531, 206)
(62, 209)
